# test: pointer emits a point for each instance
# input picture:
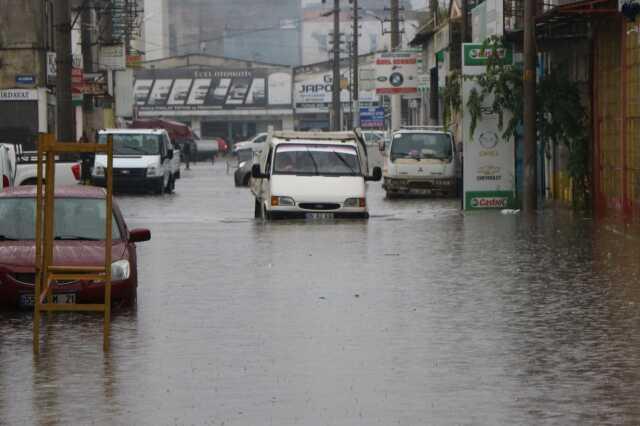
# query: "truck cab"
(142, 159)
(312, 175)
(420, 161)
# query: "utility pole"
(355, 87)
(465, 21)
(335, 125)
(396, 100)
(530, 196)
(64, 114)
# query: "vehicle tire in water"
(159, 188)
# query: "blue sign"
(372, 117)
(25, 79)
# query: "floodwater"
(420, 315)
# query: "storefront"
(617, 117)
(23, 114)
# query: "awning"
(423, 35)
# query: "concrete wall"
(22, 41)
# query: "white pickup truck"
(26, 171)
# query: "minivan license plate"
(319, 216)
(29, 300)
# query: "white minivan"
(312, 175)
(142, 159)
(422, 161)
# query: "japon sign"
(397, 72)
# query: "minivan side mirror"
(375, 176)
(256, 173)
(139, 235)
(170, 154)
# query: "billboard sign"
(397, 72)
(112, 57)
(489, 159)
(211, 89)
(372, 118)
(52, 66)
(315, 90)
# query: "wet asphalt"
(420, 315)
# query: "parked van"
(420, 160)
(142, 159)
(312, 175)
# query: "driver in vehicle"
(285, 162)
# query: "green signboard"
(483, 200)
(478, 55)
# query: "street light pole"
(335, 125)
(396, 100)
(64, 110)
(355, 89)
(530, 195)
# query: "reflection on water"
(420, 315)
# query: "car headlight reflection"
(120, 270)
(282, 201)
(355, 202)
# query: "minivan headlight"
(120, 270)
(355, 202)
(282, 201)
(152, 171)
(98, 171)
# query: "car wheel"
(257, 210)
(159, 188)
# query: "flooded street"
(420, 315)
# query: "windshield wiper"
(313, 160)
(5, 238)
(136, 149)
(75, 238)
(345, 162)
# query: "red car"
(79, 233)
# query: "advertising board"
(489, 158)
(211, 89)
(397, 72)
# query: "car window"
(421, 145)
(260, 139)
(311, 159)
(267, 167)
(134, 143)
(75, 219)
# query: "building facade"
(216, 96)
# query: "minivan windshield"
(311, 159)
(421, 146)
(75, 219)
(134, 143)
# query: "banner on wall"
(489, 159)
(172, 90)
